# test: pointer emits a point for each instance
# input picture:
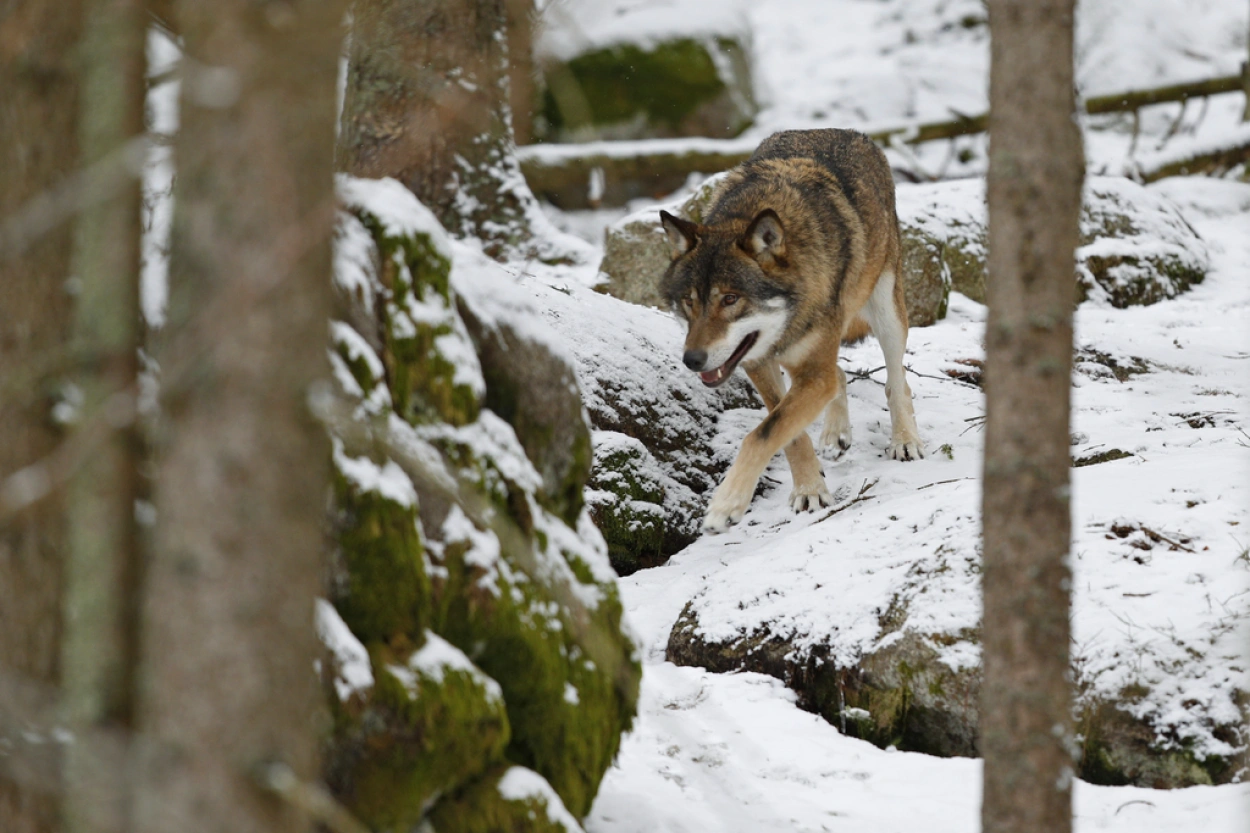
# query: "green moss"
(663, 86)
(358, 366)
(629, 507)
(481, 808)
(550, 636)
(1117, 749)
(412, 744)
(1130, 280)
(570, 686)
(423, 381)
(386, 593)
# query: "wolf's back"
(860, 167)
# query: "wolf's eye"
(729, 300)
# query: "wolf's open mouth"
(712, 378)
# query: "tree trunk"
(227, 625)
(1034, 193)
(101, 581)
(428, 102)
(38, 150)
(521, 84)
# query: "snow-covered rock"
(870, 612)
(471, 585)
(628, 69)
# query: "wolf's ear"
(765, 236)
(682, 234)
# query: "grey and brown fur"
(798, 252)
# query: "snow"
(521, 784)
(388, 479)
(395, 207)
(574, 27)
(496, 297)
(438, 656)
(353, 673)
(732, 752)
(881, 64)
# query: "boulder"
(1135, 247)
(477, 590)
(873, 620)
(905, 693)
(615, 70)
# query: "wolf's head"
(720, 282)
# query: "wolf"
(799, 250)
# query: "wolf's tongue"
(712, 376)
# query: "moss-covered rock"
(431, 723)
(452, 545)
(944, 245)
(379, 583)
(1136, 248)
(907, 693)
(627, 496)
(902, 694)
(547, 627)
(431, 367)
(513, 799)
(645, 71)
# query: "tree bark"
(38, 150)
(242, 476)
(101, 581)
(1034, 192)
(429, 102)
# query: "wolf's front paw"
(725, 509)
(812, 496)
(907, 447)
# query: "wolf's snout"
(695, 359)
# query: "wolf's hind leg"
(888, 318)
(837, 430)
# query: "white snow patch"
(400, 213)
(387, 479)
(354, 673)
(438, 656)
(521, 784)
(574, 27)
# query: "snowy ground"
(733, 752)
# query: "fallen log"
(612, 173)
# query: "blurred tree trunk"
(428, 102)
(1034, 189)
(38, 150)
(521, 68)
(101, 580)
(228, 643)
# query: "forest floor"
(733, 752)
(1160, 528)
